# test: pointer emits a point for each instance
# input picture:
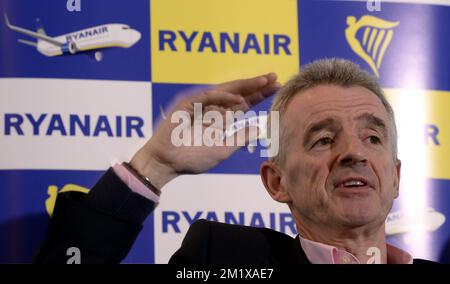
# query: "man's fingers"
(218, 98)
(241, 95)
(245, 87)
(257, 97)
(261, 95)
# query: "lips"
(352, 183)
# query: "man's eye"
(324, 141)
(374, 140)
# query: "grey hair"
(333, 71)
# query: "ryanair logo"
(376, 36)
(206, 42)
(224, 42)
(87, 33)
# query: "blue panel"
(420, 41)
(24, 220)
(18, 60)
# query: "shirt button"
(346, 259)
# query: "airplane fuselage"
(98, 37)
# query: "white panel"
(100, 100)
(213, 194)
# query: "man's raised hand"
(161, 161)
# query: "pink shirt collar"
(319, 253)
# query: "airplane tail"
(39, 35)
(23, 41)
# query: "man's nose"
(351, 152)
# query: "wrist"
(150, 167)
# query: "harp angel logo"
(376, 36)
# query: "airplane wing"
(31, 33)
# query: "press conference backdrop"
(87, 87)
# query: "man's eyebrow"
(327, 123)
(374, 120)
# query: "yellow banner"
(204, 41)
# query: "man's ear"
(271, 177)
(397, 170)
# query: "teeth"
(354, 183)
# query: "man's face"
(338, 167)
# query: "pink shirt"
(134, 184)
(318, 253)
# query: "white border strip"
(429, 2)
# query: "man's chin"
(357, 221)
(358, 215)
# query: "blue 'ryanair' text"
(73, 125)
(175, 221)
(222, 42)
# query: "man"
(337, 170)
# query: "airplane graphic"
(91, 40)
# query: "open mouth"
(353, 183)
